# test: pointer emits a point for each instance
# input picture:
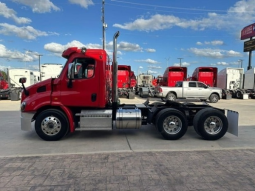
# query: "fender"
(69, 115)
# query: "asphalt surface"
(127, 159)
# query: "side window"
(84, 68)
(178, 84)
(192, 84)
(201, 85)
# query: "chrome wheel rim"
(171, 97)
(215, 99)
(51, 125)
(172, 125)
(213, 125)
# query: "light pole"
(180, 61)
(241, 61)
(39, 55)
(167, 59)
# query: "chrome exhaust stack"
(115, 70)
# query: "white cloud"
(149, 61)
(152, 72)
(241, 12)
(126, 46)
(222, 63)
(26, 32)
(199, 43)
(214, 43)
(27, 56)
(183, 64)
(83, 3)
(214, 53)
(39, 6)
(154, 67)
(10, 13)
(140, 67)
(150, 50)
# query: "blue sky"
(153, 34)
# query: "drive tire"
(171, 97)
(51, 125)
(178, 127)
(210, 124)
(214, 98)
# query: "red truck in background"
(69, 103)
(207, 75)
(126, 81)
(3, 83)
(172, 75)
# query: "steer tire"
(179, 123)
(51, 125)
(214, 98)
(210, 124)
(171, 96)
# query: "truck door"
(84, 91)
(203, 91)
(191, 90)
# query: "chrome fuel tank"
(128, 118)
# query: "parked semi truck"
(50, 70)
(145, 86)
(236, 82)
(172, 75)
(8, 90)
(207, 75)
(62, 105)
(126, 81)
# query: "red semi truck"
(62, 105)
(126, 81)
(172, 75)
(207, 75)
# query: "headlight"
(23, 105)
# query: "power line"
(168, 7)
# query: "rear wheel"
(210, 124)
(171, 97)
(171, 123)
(238, 95)
(214, 98)
(51, 125)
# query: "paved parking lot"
(127, 159)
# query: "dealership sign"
(248, 32)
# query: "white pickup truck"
(189, 90)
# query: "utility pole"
(104, 25)
(39, 55)
(180, 61)
(241, 61)
(167, 60)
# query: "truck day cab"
(88, 100)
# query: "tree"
(3, 74)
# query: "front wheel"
(210, 124)
(171, 97)
(171, 123)
(51, 125)
(214, 98)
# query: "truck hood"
(38, 87)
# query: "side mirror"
(22, 80)
(70, 73)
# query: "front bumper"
(26, 119)
(159, 95)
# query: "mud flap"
(232, 121)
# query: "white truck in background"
(50, 70)
(16, 74)
(236, 83)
